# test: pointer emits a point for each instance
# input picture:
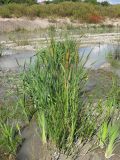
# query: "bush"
(105, 3)
(5, 12)
(95, 19)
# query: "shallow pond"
(96, 56)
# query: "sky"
(111, 1)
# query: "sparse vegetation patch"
(85, 12)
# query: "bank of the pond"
(17, 24)
(14, 43)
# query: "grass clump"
(9, 140)
(114, 133)
(114, 57)
(55, 86)
(1, 50)
(109, 132)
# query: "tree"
(105, 3)
(18, 1)
(5, 1)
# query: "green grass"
(114, 133)
(1, 50)
(109, 131)
(108, 136)
(8, 128)
(84, 12)
(54, 85)
(113, 62)
(114, 57)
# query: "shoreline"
(37, 43)
(24, 23)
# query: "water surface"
(96, 56)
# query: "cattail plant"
(53, 85)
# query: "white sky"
(111, 1)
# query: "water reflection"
(97, 54)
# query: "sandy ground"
(11, 24)
(35, 43)
(7, 25)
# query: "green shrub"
(105, 3)
(5, 12)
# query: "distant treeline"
(84, 12)
(18, 1)
(104, 3)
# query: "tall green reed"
(54, 86)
